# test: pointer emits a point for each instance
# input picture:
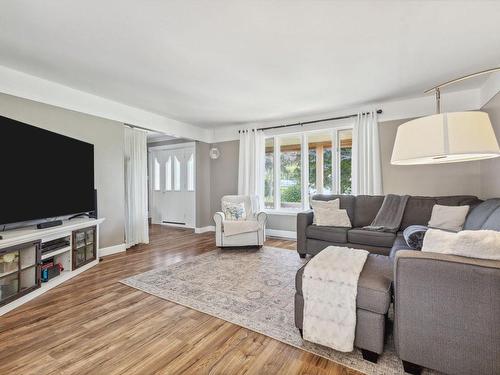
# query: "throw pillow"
(483, 244)
(414, 236)
(451, 218)
(234, 211)
(332, 218)
(332, 205)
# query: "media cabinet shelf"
(28, 262)
(56, 252)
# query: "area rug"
(254, 289)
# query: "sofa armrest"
(447, 312)
(304, 219)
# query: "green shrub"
(291, 194)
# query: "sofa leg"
(302, 255)
(301, 332)
(412, 368)
(369, 356)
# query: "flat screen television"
(43, 174)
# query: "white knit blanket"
(233, 227)
(483, 244)
(329, 288)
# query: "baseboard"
(282, 233)
(105, 251)
(209, 228)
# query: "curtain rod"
(379, 111)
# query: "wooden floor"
(92, 324)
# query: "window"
(168, 174)
(291, 172)
(320, 162)
(190, 173)
(303, 164)
(177, 174)
(156, 175)
(345, 147)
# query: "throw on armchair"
(248, 232)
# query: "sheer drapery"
(251, 164)
(366, 167)
(136, 187)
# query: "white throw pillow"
(483, 244)
(332, 218)
(333, 205)
(450, 218)
(234, 211)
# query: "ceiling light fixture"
(446, 137)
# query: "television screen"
(43, 174)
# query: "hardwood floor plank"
(93, 324)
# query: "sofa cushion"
(371, 237)
(365, 209)
(419, 209)
(374, 284)
(346, 202)
(330, 234)
(479, 215)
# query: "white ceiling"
(230, 62)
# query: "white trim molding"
(288, 234)
(110, 250)
(209, 228)
(14, 82)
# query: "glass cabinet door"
(19, 270)
(84, 246)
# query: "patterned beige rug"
(251, 288)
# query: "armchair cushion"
(234, 227)
(250, 203)
(234, 211)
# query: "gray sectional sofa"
(362, 209)
(447, 308)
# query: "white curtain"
(136, 187)
(366, 169)
(251, 164)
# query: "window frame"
(304, 136)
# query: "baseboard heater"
(173, 222)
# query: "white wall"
(107, 137)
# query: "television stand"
(74, 245)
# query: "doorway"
(172, 184)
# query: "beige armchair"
(253, 229)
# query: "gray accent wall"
(224, 173)
(490, 169)
(108, 139)
(440, 179)
(203, 185)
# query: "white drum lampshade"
(445, 138)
